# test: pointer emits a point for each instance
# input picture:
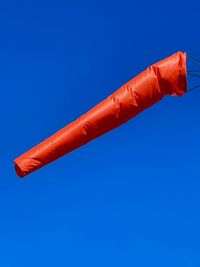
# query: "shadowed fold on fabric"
(167, 77)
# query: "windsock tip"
(19, 170)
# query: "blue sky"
(129, 198)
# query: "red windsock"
(167, 77)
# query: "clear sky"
(129, 198)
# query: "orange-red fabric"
(167, 77)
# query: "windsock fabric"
(167, 77)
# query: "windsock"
(167, 77)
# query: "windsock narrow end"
(19, 170)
